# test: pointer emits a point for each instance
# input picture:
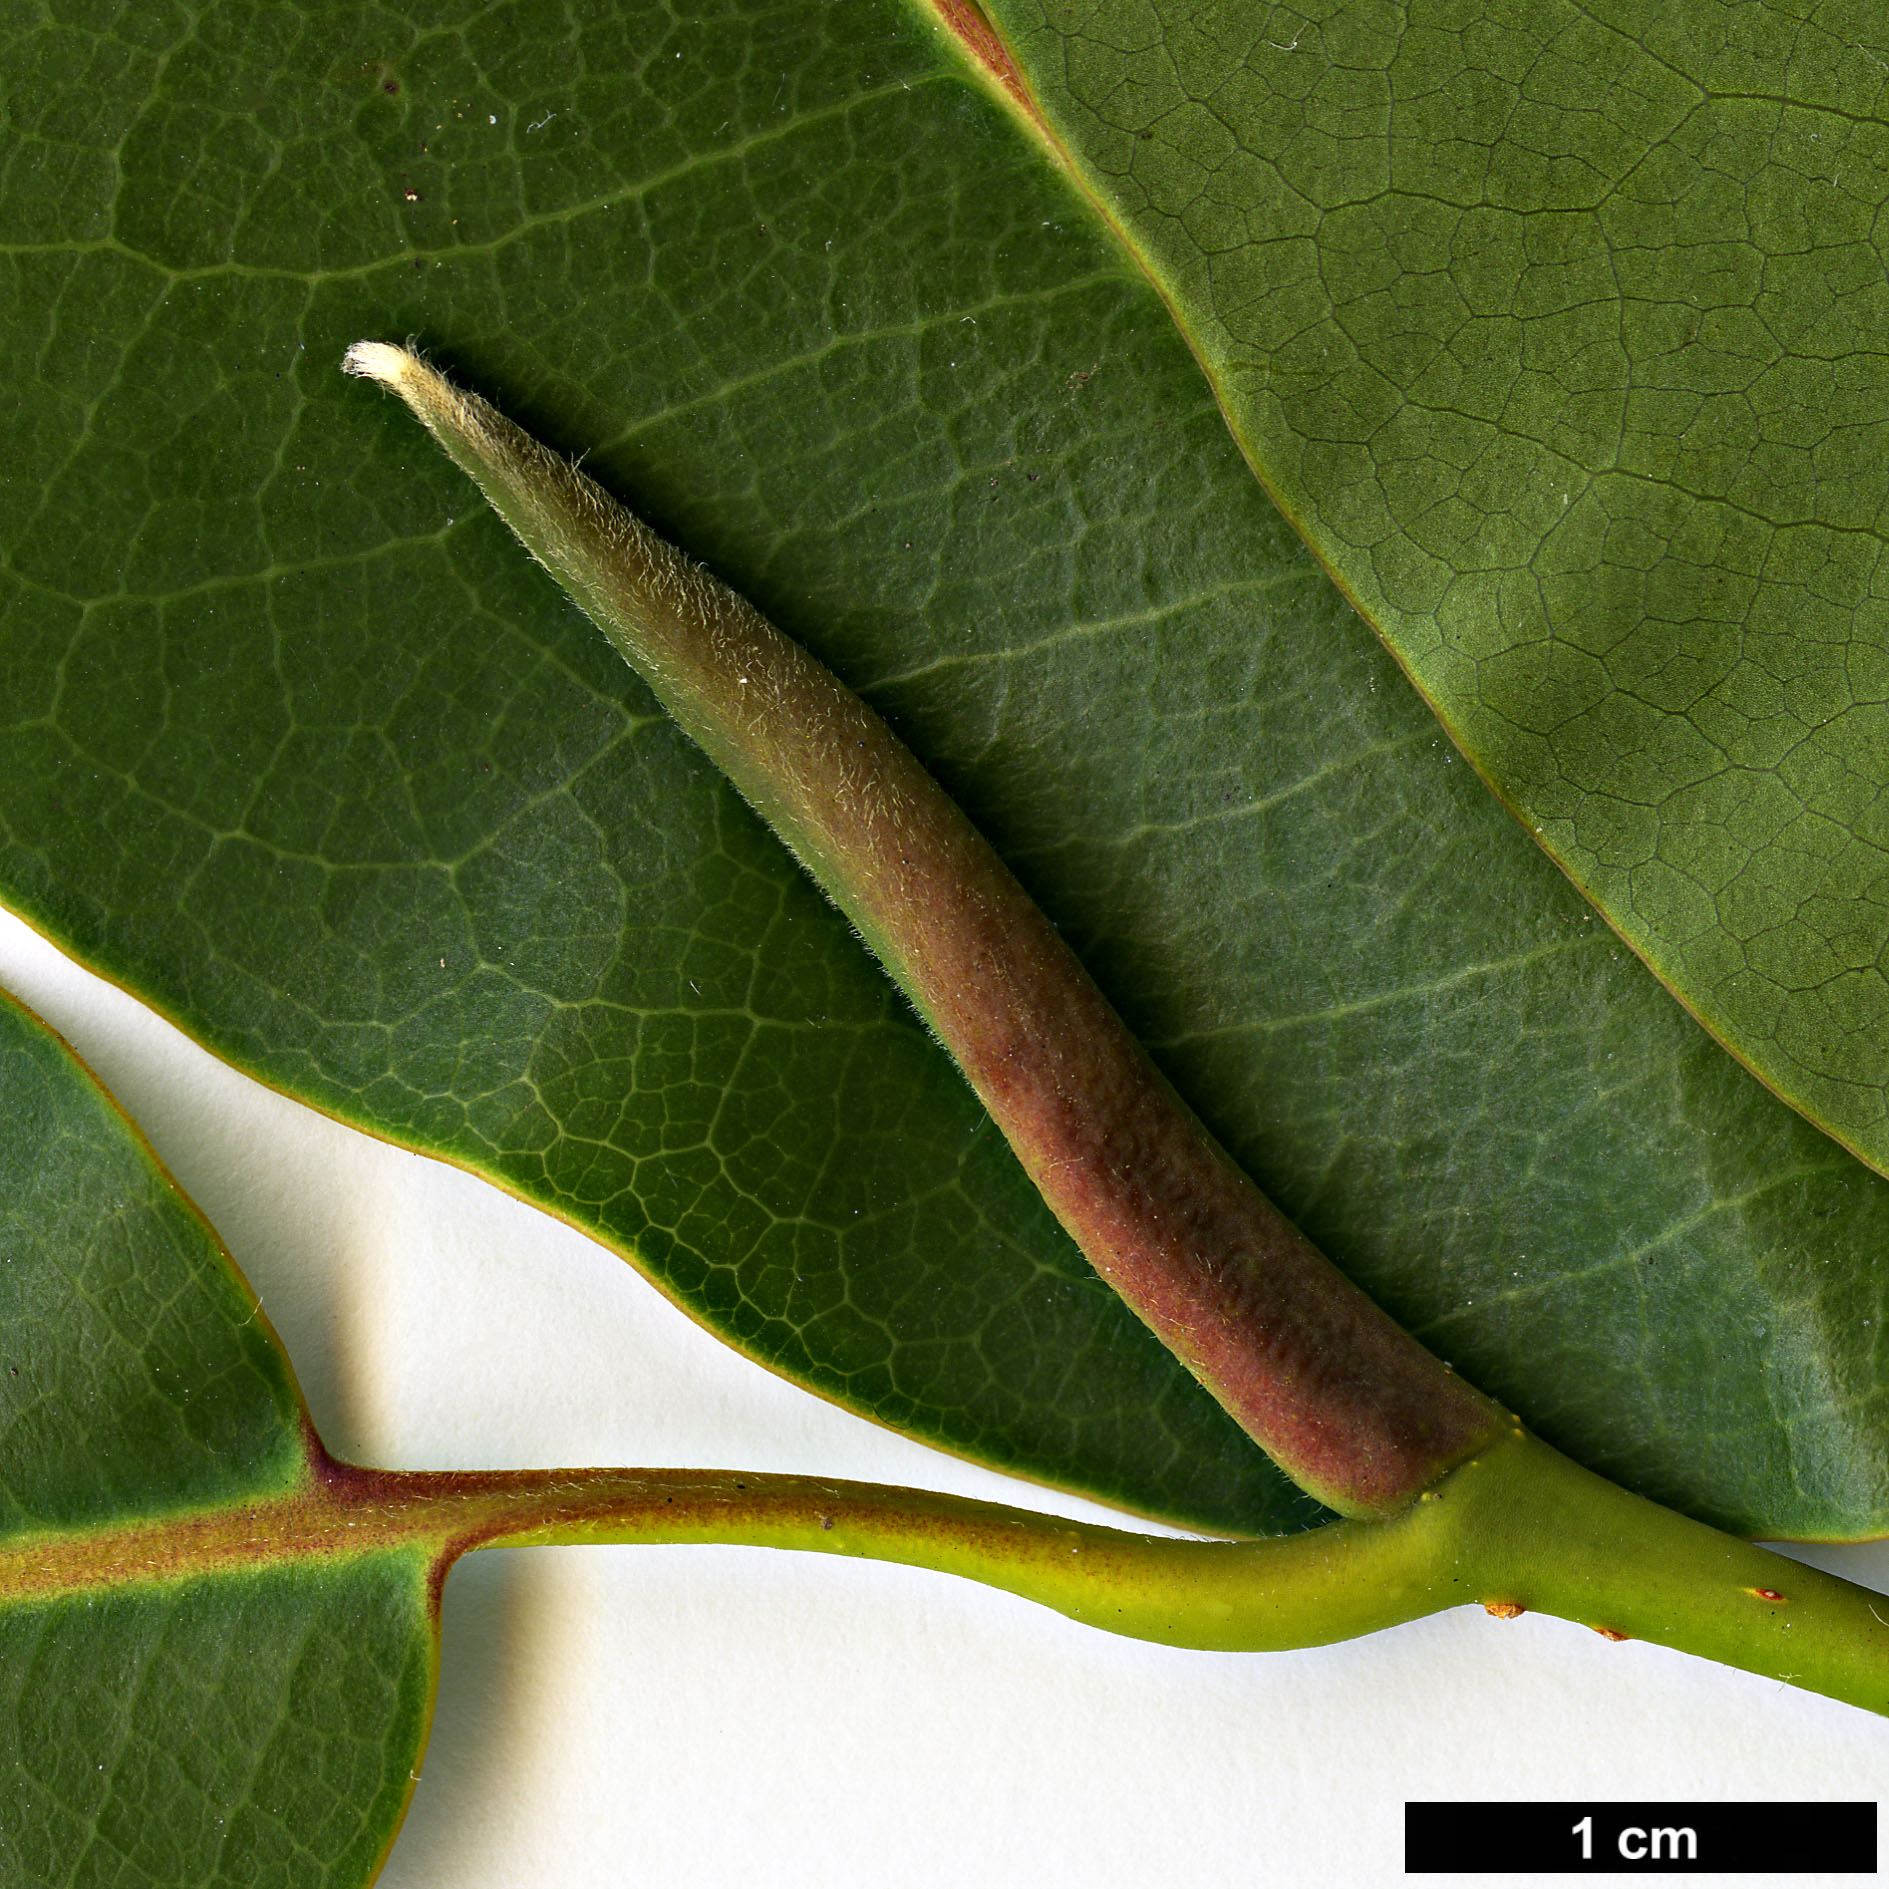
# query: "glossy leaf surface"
(299, 748)
(1558, 328)
(249, 1727)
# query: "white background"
(686, 1717)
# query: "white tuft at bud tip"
(377, 360)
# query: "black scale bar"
(1641, 1839)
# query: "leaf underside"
(260, 1726)
(236, 1730)
(297, 747)
(1559, 331)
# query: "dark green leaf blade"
(1561, 338)
(288, 722)
(490, 904)
(259, 1728)
(261, 1725)
(138, 1377)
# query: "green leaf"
(256, 1725)
(472, 891)
(1558, 330)
(288, 723)
(882, 1699)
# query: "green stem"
(1517, 1528)
(1346, 1401)
(1538, 1532)
(1332, 1583)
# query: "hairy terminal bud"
(1341, 1397)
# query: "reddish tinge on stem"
(1342, 1398)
